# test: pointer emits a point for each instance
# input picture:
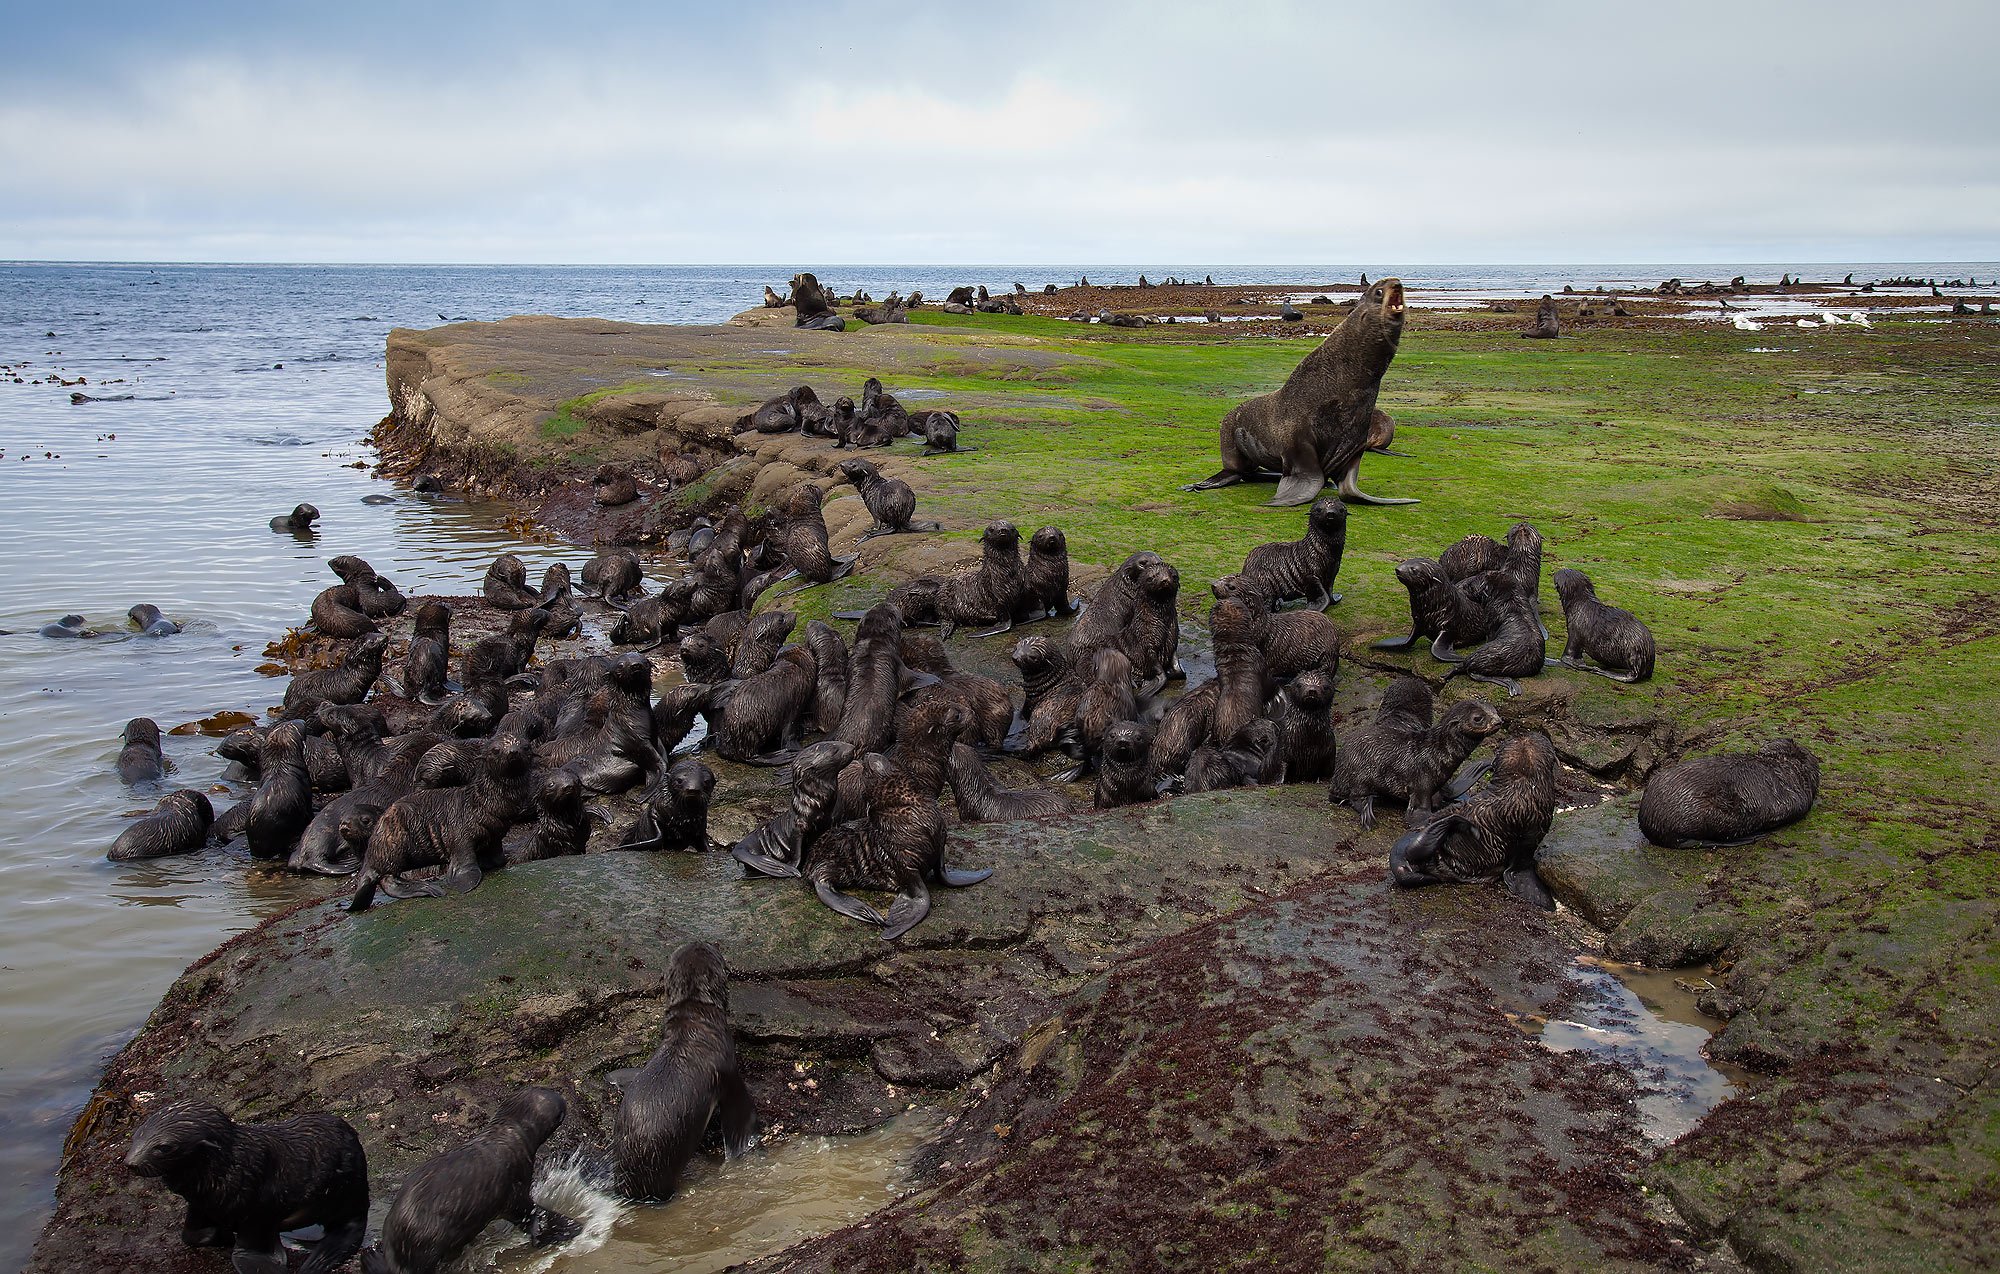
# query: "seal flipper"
(851, 907)
(1471, 774)
(762, 864)
(548, 1229)
(246, 1260)
(1297, 488)
(622, 1076)
(907, 912)
(1419, 846)
(1442, 652)
(1512, 686)
(737, 1111)
(961, 879)
(463, 879)
(1350, 489)
(1523, 883)
(1006, 625)
(1224, 478)
(335, 1249)
(1396, 643)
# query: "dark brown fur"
(1400, 755)
(1615, 639)
(1492, 833)
(979, 800)
(1731, 797)
(177, 825)
(691, 1080)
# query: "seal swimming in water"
(147, 619)
(1303, 569)
(980, 800)
(448, 1199)
(1491, 833)
(298, 522)
(1729, 798)
(1401, 755)
(1620, 644)
(69, 626)
(1315, 428)
(692, 1079)
(177, 825)
(247, 1183)
(140, 760)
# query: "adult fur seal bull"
(1315, 428)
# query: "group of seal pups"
(245, 1184)
(879, 420)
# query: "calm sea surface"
(251, 390)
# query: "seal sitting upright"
(1315, 428)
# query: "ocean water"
(245, 390)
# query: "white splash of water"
(565, 1187)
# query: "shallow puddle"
(1645, 1022)
(728, 1213)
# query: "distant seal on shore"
(1547, 325)
(1314, 429)
(691, 1079)
(448, 1199)
(245, 1184)
(1729, 798)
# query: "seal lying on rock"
(983, 593)
(458, 828)
(348, 683)
(247, 1183)
(692, 1079)
(810, 300)
(676, 812)
(1493, 832)
(1251, 757)
(448, 1199)
(980, 800)
(1729, 798)
(1315, 428)
(1400, 755)
(178, 825)
(379, 598)
(612, 486)
(1304, 569)
(337, 612)
(898, 848)
(1621, 645)
(890, 501)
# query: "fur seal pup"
(69, 626)
(1291, 641)
(772, 301)
(939, 430)
(379, 598)
(426, 666)
(333, 841)
(506, 584)
(880, 406)
(615, 576)
(759, 719)
(458, 828)
(1253, 756)
(875, 676)
(805, 540)
(349, 683)
(177, 825)
(1314, 429)
(1473, 555)
(282, 805)
(692, 1079)
(1151, 639)
(829, 654)
(1045, 578)
(1054, 692)
(1304, 569)
(448, 1199)
(1110, 609)
(1184, 726)
(559, 600)
(1491, 833)
(980, 800)
(900, 848)
(649, 621)
(1304, 714)
(1730, 798)
(140, 760)
(245, 1184)
(757, 649)
(1620, 644)
(676, 811)
(1241, 689)
(1124, 768)
(778, 415)
(1107, 700)
(703, 659)
(778, 846)
(674, 714)
(337, 612)
(147, 618)
(1517, 645)
(1547, 327)
(986, 592)
(890, 501)
(989, 703)
(1401, 755)
(1439, 609)
(612, 486)
(298, 522)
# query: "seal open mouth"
(1394, 299)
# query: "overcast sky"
(926, 132)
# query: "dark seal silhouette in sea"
(177, 825)
(1729, 798)
(1492, 833)
(691, 1080)
(245, 1184)
(1618, 643)
(447, 1200)
(1315, 428)
(140, 760)
(298, 522)
(147, 618)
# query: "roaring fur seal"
(298, 522)
(1547, 327)
(147, 618)
(1729, 798)
(1401, 755)
(348, 683)
(506, 584)
(177, 825)
(1124, 771)
(1620, 644)
(1493, 832)
(140, 760)
(245, 1184)
(980, 800)
(778, 846)
(899, 848)
(890, 501)
(675, 816)
(1315, 428)
(1304, 569)
(458, 828)
(1045, 577)
(691, 1079)
(448, 1199)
